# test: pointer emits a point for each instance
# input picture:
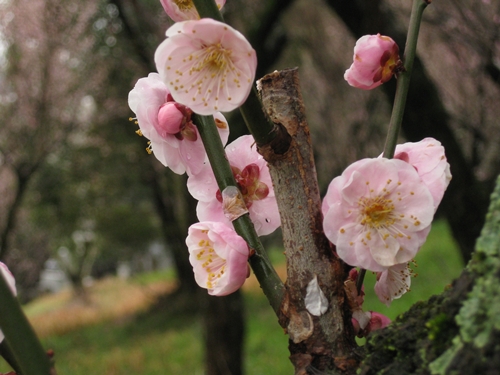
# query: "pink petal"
(378, 213)
(218, 256)
(207, 65)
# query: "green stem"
(402, 87)
(262, 129)
(208, 9)
(360, 279)
(404, 77)
(264, 271)
(22, 341)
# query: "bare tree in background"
(43, 92)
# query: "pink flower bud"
(173, 137)
(377, 321)
(170, 119)
(376, 59)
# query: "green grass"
(159, 344)
(154, 345)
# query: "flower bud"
(376, 59)
(170, 119)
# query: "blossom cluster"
(378, 213)
(204, 67)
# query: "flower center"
(377, 212)
(213, 58)
(213, 264)
(184, 4)
(249, 184)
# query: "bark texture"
(457, 332)
(322, 343)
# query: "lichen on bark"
(457, 332)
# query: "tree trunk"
(457, 332)
(319, 342)
(224, 333)
(23, 174)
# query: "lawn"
(113, 335)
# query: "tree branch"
(324, 343)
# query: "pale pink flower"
(376, 59)
(393, 283)
(174, 139)
(11, 282)
(219, 257)
(183, 10)
(254, 181)
(207, 65)
(428, 158)
(378, 213)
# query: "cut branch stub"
(330, 347)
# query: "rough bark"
(457, 332)
(317, 343)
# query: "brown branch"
(325, 343)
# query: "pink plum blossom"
(183, 10)
(254, 181)
(393, 283)
(207, 65)
(219, 257)
(376, 59)
(174, 139)
(11, 282)
(378, 213)
(428, 158)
